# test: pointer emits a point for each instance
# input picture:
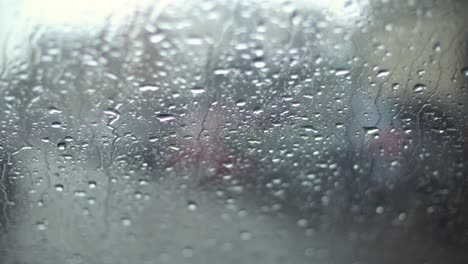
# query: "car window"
(212, 131)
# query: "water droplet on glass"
(56, 125)
(126, 222)
(41, 225)
(197, 90)
(245, 235)
(165, 117)
(92, 184)
(341, 72)
(187, 252)
(371, 130)
(59, 187)
(430, 210)
(221, 71)
(389, 27)
(464, 71)
(192, 205)
(310, 129)
(302, 223)
(148, 88)
(339, 125)
(80, 193)
(418, 88)
(259, 63)
(241, 103)
(111, 112)
(318, 60)
(62, 146)
(74, 259)
(54, 110)
(258, 111)
(379, 209)
(156, 38)
(402, 216)
(193, 40)
(382, 73)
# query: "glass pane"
(233, 132)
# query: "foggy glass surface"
(233, 132)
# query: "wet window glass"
(238, 131)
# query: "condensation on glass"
(233, 132)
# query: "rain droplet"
(138, 195)
(148, 88)
(259, 63)
(258, 111)
(41, 225)
(197, 90)
(464, 71)
(318, 60)
(379, 209)
(187, 252)
(430, 210)
(245, 235)
(388, 27)
(74, 259)
(192, 205)
(221, 71)
(91, 201)
(56, 125)
(165, 117)
(62, 146)
(92, 184)
(156, 38)
(309, 129)
(59, 187)
(371, 130)
(80, 193)
(194, 40)
(418, 88)
(302, 223)
(382, 73)
(341, 72)
(126, 222)
(402, 216)
(54, 110)
(111, 112)
(241, 103)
